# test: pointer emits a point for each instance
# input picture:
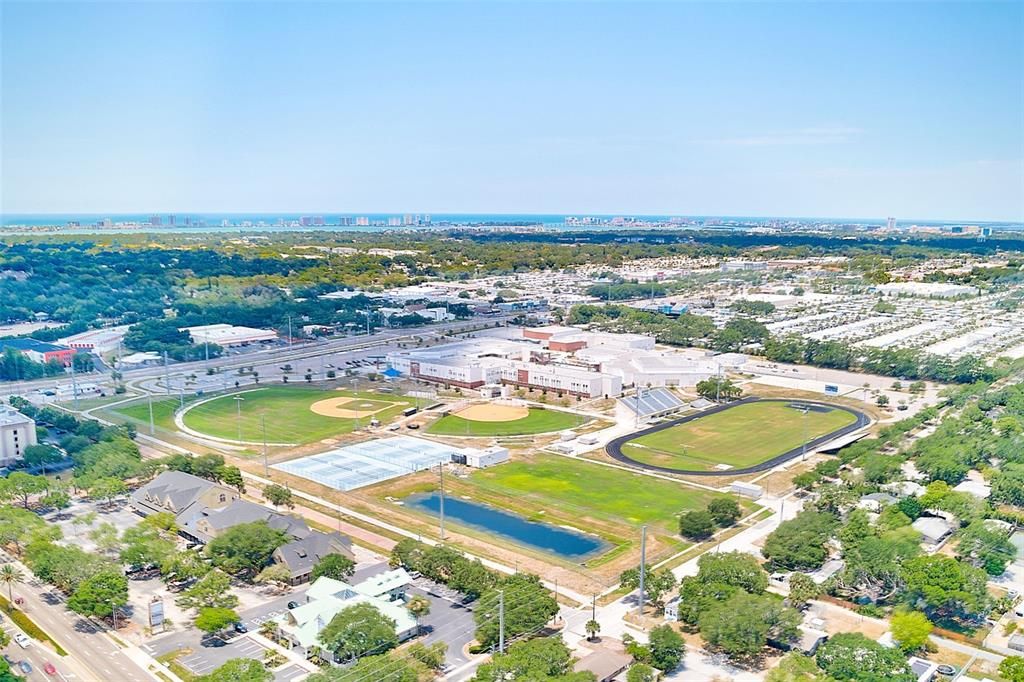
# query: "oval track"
(614, 447)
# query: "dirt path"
(357, 533)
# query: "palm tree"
(592, 627)
(10, 575)
(418, 606)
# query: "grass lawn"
(286, 413)
(742, 436)
(581, 489)
(538, 420)
(163, 413)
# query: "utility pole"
(593, 608)
(501, 621)
(152, 429)
(289, 331)
(440, 468)
(167, 376)
(238, 419)
(263, 427)
(74, 383)
(643, 564)
(181, 393)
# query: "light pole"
(803, 456)
(263, 427)
(238, 411)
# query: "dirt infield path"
(494, 413)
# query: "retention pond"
(563, 542)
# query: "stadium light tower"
(238, 417)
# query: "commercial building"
(926, 289)
(17, 432)
(98, 341)
(203, 510)
(325, 598)
(228, 335)
(40, 351)
(742, 265)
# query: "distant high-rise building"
(394, 222)
(318, 220)
(345, 220)
(890, 224)
(407, 219)
(362, 221)
(188, 221)
(155, 221)
(171, 219)
(426, 219)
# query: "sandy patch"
(348, 408)
(493, 413)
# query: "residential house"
(604, 663)
(933, 530)
(876, 502)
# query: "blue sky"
(823, 109)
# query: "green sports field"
(163, 413)
(287, 414)
(538, 420)
(742, 436)
(579, 489)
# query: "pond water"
(562, 542)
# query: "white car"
(22, 640)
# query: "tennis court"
(362, 464)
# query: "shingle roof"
(176, 487)
(301, 555)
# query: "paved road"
(82, 639)
(267, 357)
(36, 655)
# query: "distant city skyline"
(864, 110)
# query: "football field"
(741, 436)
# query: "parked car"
(22, 640)
(413, 426)
(240, 628)
(26, 667)
(293, 605)
(49, 669)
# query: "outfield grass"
(581, 489)
(163, 413)
(286, 412)
(742, 436)
(538, 420)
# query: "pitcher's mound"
(493, 413)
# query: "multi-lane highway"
(92, 654)
(266, 361)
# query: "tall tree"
(358, 630)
